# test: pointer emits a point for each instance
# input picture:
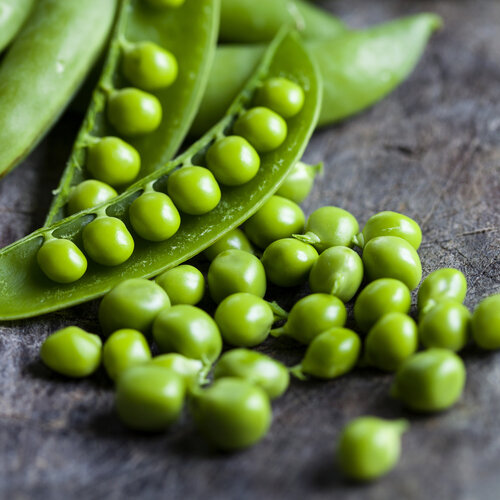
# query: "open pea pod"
(358, 68)
(13, 13)
(25, 291)
(189, 32)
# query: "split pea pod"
(13, 13)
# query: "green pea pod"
(189, 32)
(358, 68)
(13, 13)
(25, 291)
(44, 67)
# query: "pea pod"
(13, 13)
(26, 292)
(358, 68)
(189, 33)
(43, 69)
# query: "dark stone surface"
(432, 150)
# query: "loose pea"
(311, 316)
(264, 129)
(485, 323)
(191, 370)
(194, 190)
(328, 227)
(282, 96)
(133, 303)
(379, 298)
(154, 217)
(183, 284)
(288, 261)
(107, 241)
(235, 271)
(113, 161)
(134, 112)
(299, 182)
(122, 350)
(149, 397)
(392, 257)
(431, 380)
(72, 352)
(61, 260)
(232, 240)
(278, 218)
(232, 414)
(259, 369)
(88, 194)
(339, 271)
(233, 160)
(446, 325)
(390, 341)
(370, 447)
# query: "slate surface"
(432, 150)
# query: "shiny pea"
(88, 194)
(184, 284)
(232, 240)
(299, 182)
(485, 323)
(282, 96)
(191, 370)
(61, 260)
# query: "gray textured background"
(432, 150)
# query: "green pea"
(282, 96)
(390, 224)
(288, 261)
(232, 240)
(264, 129)
(232, 414)
(234, 271)
(390, 341)
(149, 397)
(370, 447)
(339, 271)
(299, 182)
(148, 66)
(194, 190)
(446, 325)
(165, 3)
(89, 194)
(265, 372)
(154, 217)
(122, 350)
(133, 303)
(244, 319)
(72, 352)
(189, 331)
(61, 260)
(392, 257)
(485, 323)
(107, 241)
(445, 283)
(191, 370)
(133, 112)
(311, 316)
(379, 298)
(233, 160)
(278, 218)
(113, 161)
(328, 227)
(429, 381)
(183, 284)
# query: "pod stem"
(297, 372)
(309, 237)
(337, 285)
(202, 378)
(318, 169)
(358, 240)
(278, 332)
(278, 311)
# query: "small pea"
(278, 218)
(328, 227)
(264, 129)
(194, 190)
(191, 370)
(88, 194)
(232, 240)
(288, 261)
(282, 96)
(61, 260)
(154, 217)
(72, 351)
(299, 182)
(485, 323)
(122, 350)
(233, 160)
(232, 414)
(107, 241)
(133, 112)
(183, 284)
(429, 381)
(235, 271)
(369, 447)
(392, 257)
(339, 271)
(134, 304)
(311, 316)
